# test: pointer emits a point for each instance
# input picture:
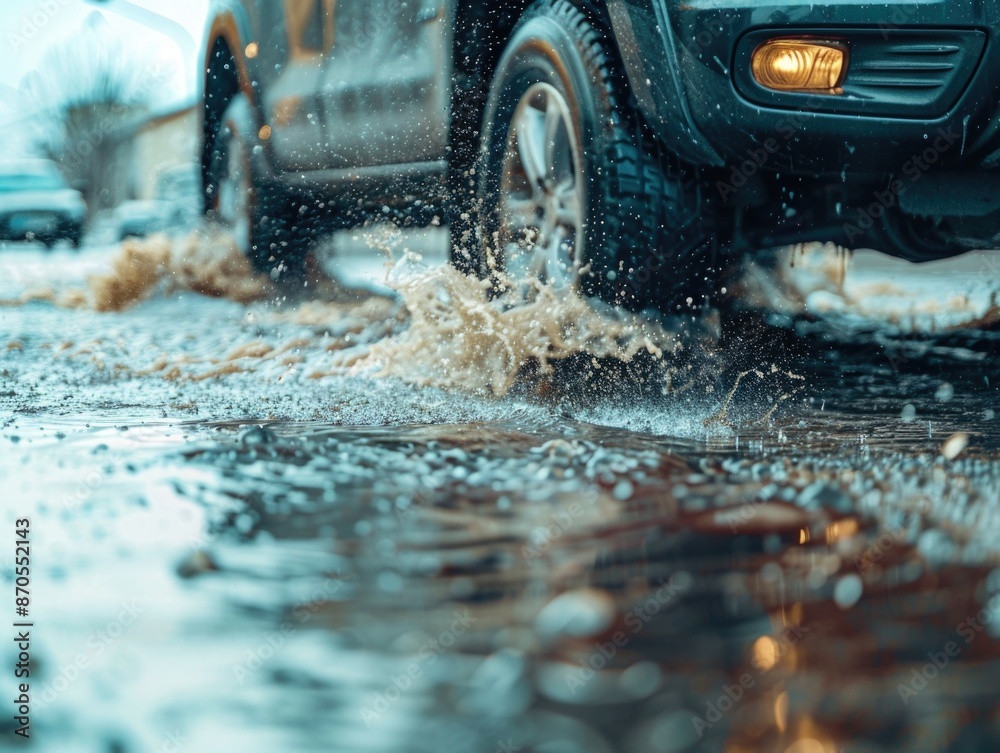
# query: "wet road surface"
(313, 524)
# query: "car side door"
(387, 84)
(287, 60)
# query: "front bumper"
(919, 70)
(42, 225)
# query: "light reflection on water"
(611, 604)
(539, 573)
(539, 586)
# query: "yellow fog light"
(800, 65)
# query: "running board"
(423, 179)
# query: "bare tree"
(87, 91)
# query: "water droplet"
(579, 613)
(954, 445)
(641, 679)
(624, 490)
(848, 591)
(945, 392)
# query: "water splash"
(461, 335)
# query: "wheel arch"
(639, 30)
(480, 36)
(224, 76)
(648, 51)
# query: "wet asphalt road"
(283, 525)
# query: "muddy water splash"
(616, 588)
(207, 264)
(864, 288)
(438, 328)
(459, 335)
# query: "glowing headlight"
(800, 65)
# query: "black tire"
(645, 237)
(277, 237)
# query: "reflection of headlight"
(799, 65)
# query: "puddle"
(341, 523)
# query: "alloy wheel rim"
(234, 196)
(542, 192)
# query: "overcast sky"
(162, 32)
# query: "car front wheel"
(258, 215)
(572, 190)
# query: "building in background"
(159, 143)
(157, 174)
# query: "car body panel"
(649, 57)
(386, 87)
(144, 217)
(65, 201)
(353, 84)
(35, 202)
(349, 100)
(345, 83)
(699, 101)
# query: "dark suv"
(620, 147)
